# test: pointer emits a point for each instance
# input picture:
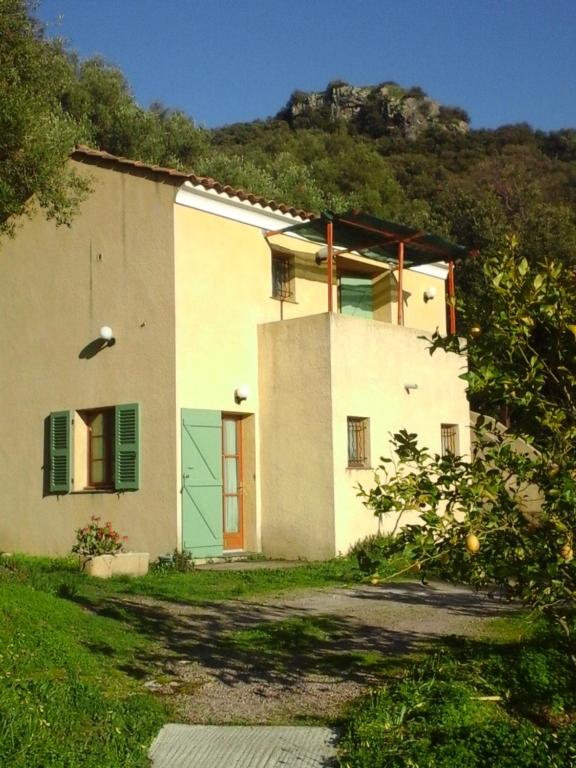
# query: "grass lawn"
(70, 693)
(64, 699)
(61, 576)
(508, 701)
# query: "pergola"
(379, 240)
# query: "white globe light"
(242, 393)
(106, 333)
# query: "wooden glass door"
(233, 523)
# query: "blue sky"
(225, 61)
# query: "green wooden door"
(356, 296)
(202, 534)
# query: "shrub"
(96, 539)
(372, 552)
(178, 562)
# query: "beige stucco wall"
(370, 364)
(296, 439)
(185, 292)
(314, 373)
(59, 286)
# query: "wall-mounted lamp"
(409, 387)
(107, 335)
(241, 393)
(430, 293)
(321, 255)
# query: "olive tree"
(36, 136)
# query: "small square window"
(450, 443)
(283, 276)
(358, 442)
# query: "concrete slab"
(244, 746)
(251, 565)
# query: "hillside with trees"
(386, 149)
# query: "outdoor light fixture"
(321, 255)
(430, 293)
(408, 387)
(241, 393)
(107, 335)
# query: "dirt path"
(297, 657)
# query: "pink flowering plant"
(97, 539)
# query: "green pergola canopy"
(378, 239)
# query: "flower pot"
(120, 564)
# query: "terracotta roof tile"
(203, 181)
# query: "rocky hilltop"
(381, 110)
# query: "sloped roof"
(86, 154)
(378, 238)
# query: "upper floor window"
(283, 276)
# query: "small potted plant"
(101, 552)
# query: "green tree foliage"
(524, 360)
(36, 135)
(284, 178)
(100, 99)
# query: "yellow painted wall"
(418, 313)
(371, 363)
(223, 295)
(296, 439)
(59, 286)
(223, 287)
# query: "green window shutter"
(60, 451)
(127, 447)
(357, 296)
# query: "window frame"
(69, 450)
(283, 263)
(358, 442)
(449, 439)
(88, 416)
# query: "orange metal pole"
(451, 297)
(400, 294)
(330, 246)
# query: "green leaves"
(517, 502)
(36, 136)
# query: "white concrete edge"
(438, 269)
(243, 211)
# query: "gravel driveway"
(212, 659)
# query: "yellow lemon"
(472, 543)
(475, 331)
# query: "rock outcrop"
(381, 110)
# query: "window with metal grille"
(282, 276)
(449, 439)
(358, 442)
